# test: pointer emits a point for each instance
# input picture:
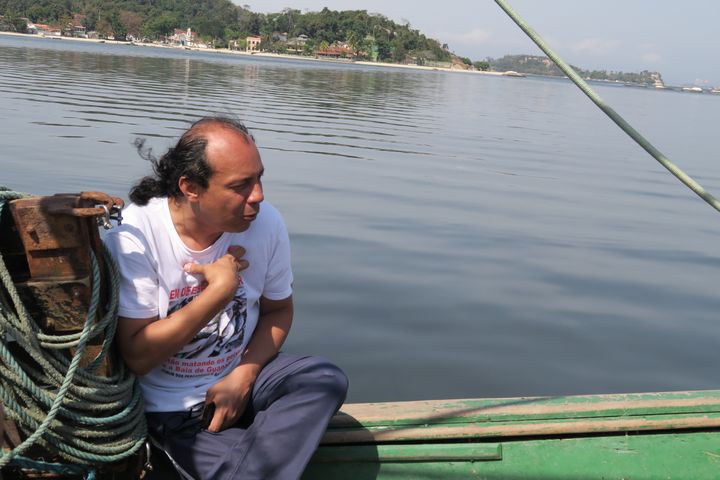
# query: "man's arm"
(147, 343)
(230, 395)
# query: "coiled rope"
(86, 418)
(614, 116)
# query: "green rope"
(87, 419)
(614, 116)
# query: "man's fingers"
(221, 419)
(192, 267)
(213, 417)
(242, 264)
(215, 424)
(236, 251)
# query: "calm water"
(453, 235)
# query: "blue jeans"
(292, 402)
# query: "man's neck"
(193, 232)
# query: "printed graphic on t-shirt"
(216, 345)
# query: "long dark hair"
(186, 159)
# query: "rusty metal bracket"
(106, 207)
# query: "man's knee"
(335, 381)
(327, 378)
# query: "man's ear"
(190, 189)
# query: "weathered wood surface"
(640, 436)
(533, 416)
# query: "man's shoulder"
(138, 213)
(268, 212)
(268, 227)
(142, 216)
(269, 220)
(138, 221)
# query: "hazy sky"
(678, 39)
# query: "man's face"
(234, 193)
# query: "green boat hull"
(633, 436)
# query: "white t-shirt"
(151, 256)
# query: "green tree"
(384, 49)
(66, 24)
(90, 20)
(249, 23)
(310, 47)
(131, 21)
(288, 20)
(118, 30)
(209, 27)
(103, 28)
(481, 65)
(160, 26)
(15, 23)
(399, 52)
(44, 11)
(356, 43)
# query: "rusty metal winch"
(51, 263)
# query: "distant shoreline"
(227, 51)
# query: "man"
(206, 304)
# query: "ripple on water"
(497, 238)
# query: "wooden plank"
(488, 430)
(525, 408)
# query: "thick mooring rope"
(89, 420)
(614, 116)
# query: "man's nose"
(257, 195)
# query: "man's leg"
(293, 399)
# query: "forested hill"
(221, 21)
(537, 65)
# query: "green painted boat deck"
(674, 435)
